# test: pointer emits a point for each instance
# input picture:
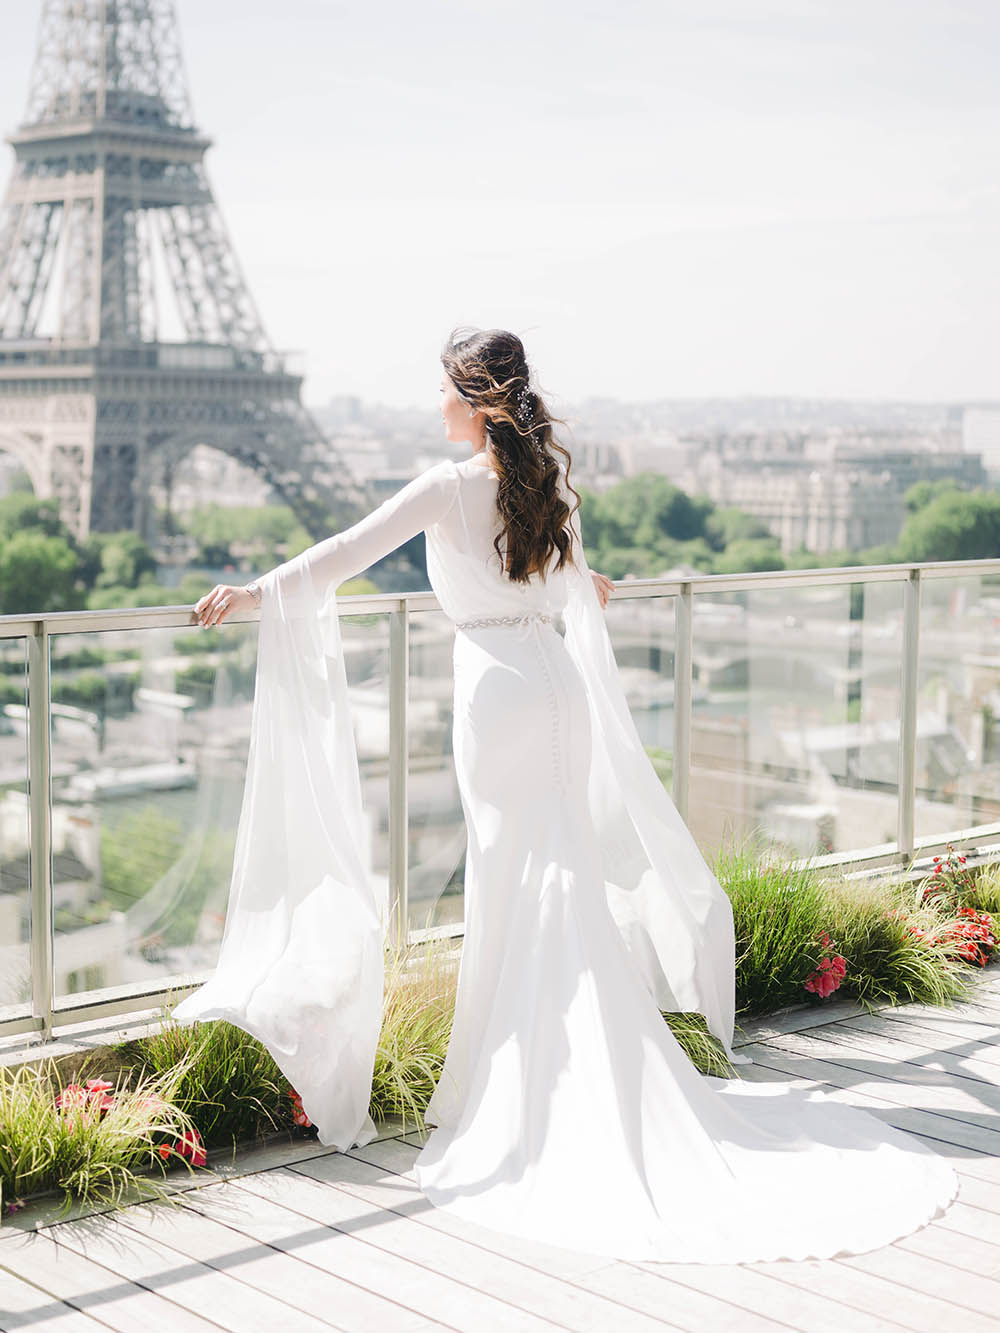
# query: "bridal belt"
(540, 616)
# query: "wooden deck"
(298, 1237)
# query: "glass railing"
(845, 715)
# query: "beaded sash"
(541, 616)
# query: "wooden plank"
(986, 1000)
(22, 1305)
(388, 1189)
(912, 1031)
(96, 1291)
(951, 1019)
(277, 1273)
(116, 1302)
(570, 1298)
(960, 1136)
(267, 1156)
(970, 1221)
(856, 1288)
(930, 1101)
(971, 1166)
(936, 1088)
(981, 1164)
(910, 1053)
(194, 1286)
(695, 1311)
(969, 1293)
(393, 1155)
(969, 1254)
(525, 1293)
(357, 1306)
(980, 1193)
(794, 1019)
(792, 1306)
(345, 1249)
(618, 1281)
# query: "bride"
(566, 1110)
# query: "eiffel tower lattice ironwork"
(109, 232)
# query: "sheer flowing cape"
(301, 964)
(673, 914)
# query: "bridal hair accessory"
(526, 416)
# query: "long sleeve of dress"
(301, 965)
(423, 501)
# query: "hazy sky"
(663, 197)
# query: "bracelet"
(254, 589)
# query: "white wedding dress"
(566, 1110)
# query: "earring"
(472, 411)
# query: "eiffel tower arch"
(109, 234)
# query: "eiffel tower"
(109, 230)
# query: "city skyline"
(666, 200)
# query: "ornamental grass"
(230, 1086)
(420, 990)
(881, 941)
(97, 1144)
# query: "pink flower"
(72, 1098)
(151, 1103)
(191, 1146)
(823, 983)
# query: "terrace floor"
(296, 1236)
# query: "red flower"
(190, 1145)
(299, 1116)
(164, 1150)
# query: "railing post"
(908, 716)
(683, 675)
(399, 675)
(40, 827)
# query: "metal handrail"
(37, 631)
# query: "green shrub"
(229, 1084)
(416, 1025)
(780, 911)
(83, 1155)
(702, 1047)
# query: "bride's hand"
(217, 604)
(602, 586)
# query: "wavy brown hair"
(489, 369)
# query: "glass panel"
(366, 657)
(150, 736)
(15, 892)
(642, 636)
(796, 717)
(149, 742)
(437, 834)
(958, 705)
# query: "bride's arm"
(603, 586)
(330, 562)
